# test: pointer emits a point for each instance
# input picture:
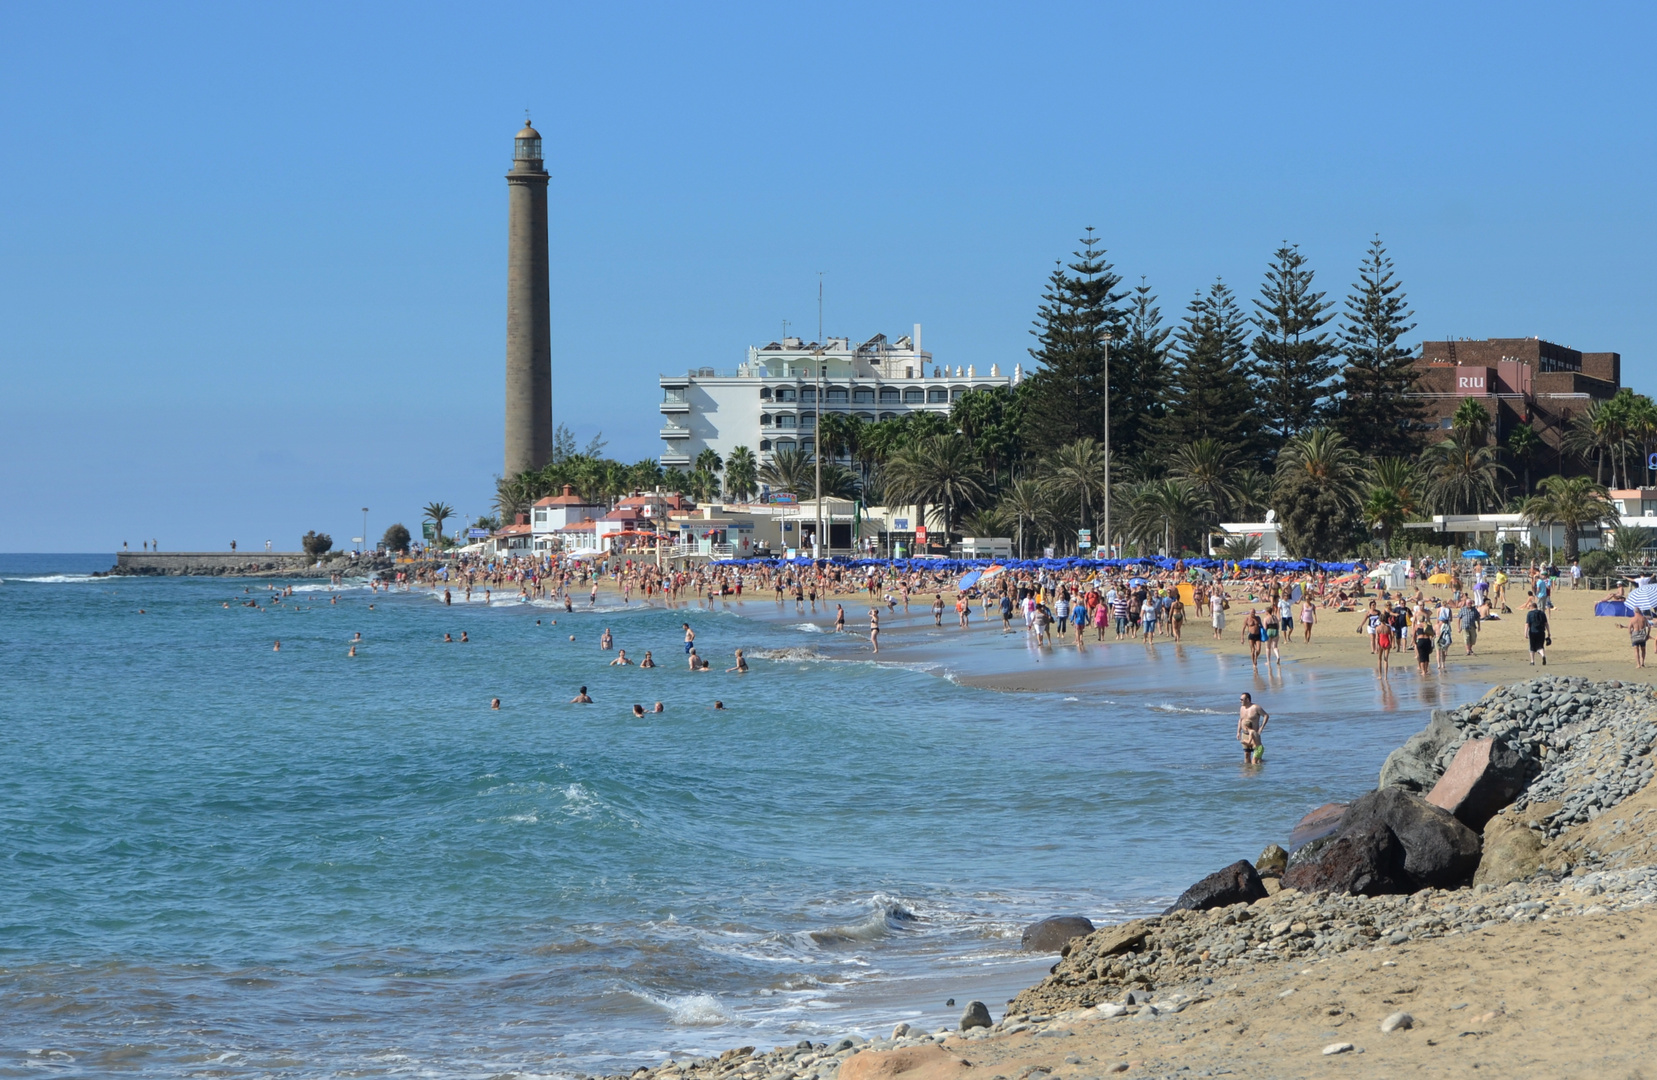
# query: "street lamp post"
(365, 530)
(1107, 447)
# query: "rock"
(928, 1062)
(1369, 862)
(1484, 776)
(1398, 1021)
(1337, 1048)
(897, 1033)
(1111, 1009)
(1272, 862)
(1414, 766)
(1315, 826)
(1512, 852)
(737, 1052)
(1116, 940)
(1236, 884)
(1439, 851)
(977, 1015)
(1052, 935)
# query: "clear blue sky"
(252, 257)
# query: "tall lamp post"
(365, 530)
(1107, 446)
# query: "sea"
(225, 860)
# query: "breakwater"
(239, 563)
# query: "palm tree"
(1024, 500)
(1524, 444)
(1574, 502)
(1316, 492)
(1251, 494)
(790, 470)
(741, 473)
(708, 462)
(1324, 456)
(1078, 470)
(1471, 417)
(1642, 430)
(940, 470)
(986, 521)
(1462, 474)
(1209, 466)
(839, 434)
(1170, 507)
(1393, 489)
(512, 497)
(1594, 435)
(1630, 543)
(437, 513)
(1238, 548)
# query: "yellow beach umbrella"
(1439, 579)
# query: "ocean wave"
(56, 579)
(807, 628)
(794, 653)
(361, 583)
(889, 917)
(689, 1010)
(1170, 707)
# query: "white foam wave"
(56, 579)
(690, 1010)
(1170, 707)
(314, 587)
(807, 628)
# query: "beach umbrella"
(968, 580)
(1643, 598)
(1440, 579)
(1474, 553)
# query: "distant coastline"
(240, 564)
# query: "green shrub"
(316, 544)
(1597, 563)
(396, 538)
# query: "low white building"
(551, 515)
(770, 401)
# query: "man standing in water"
(1251, 726)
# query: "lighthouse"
(528, 318)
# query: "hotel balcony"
(674, 431)
(674, 459)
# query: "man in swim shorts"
(1251, 726)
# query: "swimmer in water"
(638, 711)
(274, 648)
(358, 637)
(741, 667)
(605, 641)
(495, 703)
(621, 659)
(719, 706)
(658, 707)
(463, 636)
(447, 638)
(647, 661)
(352, 652)
(581, 698)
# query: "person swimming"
(647, 661)
(638, 711)
(581, 698)
(495, 703)
(621, 659)
(741, 667)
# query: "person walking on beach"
(1639, 629)
(1251, 727)
(1383, 645)
(1253, 634)
(874, 628)
(1217, 603)
(1536, 630)
(1468, 619)
(937, 609)
(1006, 614)
(1423, 643)
(1308, 615)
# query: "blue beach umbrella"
(968, 580)
(1474, 553)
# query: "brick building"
(1517, 380)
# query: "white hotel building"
(769, 403)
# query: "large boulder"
(1272, 861)
(1238, 883)
(1318, 824)
(1485, 776)
(1414, 766)
(1439, 851)
(1052, 935)
(1512, 851)
(1363, 863)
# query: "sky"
(253, 257)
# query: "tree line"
(1298, 406)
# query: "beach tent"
(1614, 608)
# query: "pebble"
(1398, 1021)
(1337, 1048)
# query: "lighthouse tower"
(528, 318)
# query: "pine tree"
(1293, 360)
(1375, 410)
(1078, 309)
(1209, 395)
(1138, 376)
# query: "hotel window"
(956, 392)
(890, 395)
(806, 444)
(866, 417)
(764, 444)
(785, 420)
(785, 393)
(888, 416)
(836, 395)
(784, 444)
(864, 395)
(765, 393)
(808, 419)
(808, 393)
(914, 395)
(937, 394)
(764, 419)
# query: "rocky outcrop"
(1051, 935)
(1272, 861)
(1439, 851)
(1238, 883)
(1512, 851)
(1367, 862)
(1484, 776)
(1415, 766)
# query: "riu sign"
(1473, 381)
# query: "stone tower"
(528, 318)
